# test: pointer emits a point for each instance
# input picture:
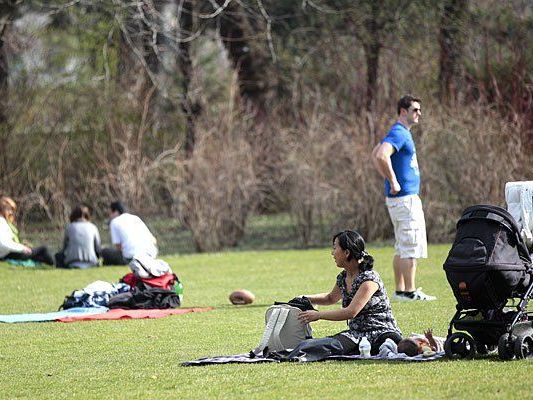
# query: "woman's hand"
(308, 316)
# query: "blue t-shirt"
(403, 160)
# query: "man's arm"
(381, 159)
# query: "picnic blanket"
(245, 359)
(119, 313)
(96, 313)
(23, 263)
(387, 351)
(52, 316)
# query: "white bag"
(283, 330)
(147, 267)
(519, 198)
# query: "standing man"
(395, 159)
(130, 236)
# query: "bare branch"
(218, 9)
(268, 31)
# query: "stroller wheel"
(505, 347)
(460, 345)
(482, 348)
(523, 346)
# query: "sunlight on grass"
(141, 358)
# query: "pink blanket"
(119, 313)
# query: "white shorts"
(407, 218)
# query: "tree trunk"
(372, 68)
(250, 59)
(372, 46)
(7, 11)
(451, 43)
(185, 64)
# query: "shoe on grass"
(418, 294)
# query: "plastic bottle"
(179, 290)
(364, 347)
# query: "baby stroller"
(489, 270)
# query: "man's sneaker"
(400, 297)
(418, 294)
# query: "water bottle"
(364, 347)
(179, 290)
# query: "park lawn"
(140, 359)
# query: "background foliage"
(213, 111)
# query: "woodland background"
(210, 112)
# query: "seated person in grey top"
(81, 246)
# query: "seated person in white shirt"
(130, 236)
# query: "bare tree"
(7, 13)
(239, 28)
(451, 42)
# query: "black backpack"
(144, 296)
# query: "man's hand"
(27, 250)
(308, 316)
(395, 187)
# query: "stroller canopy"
(488, 236)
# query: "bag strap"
(267, 334)
(283, 314)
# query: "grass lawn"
(140, 359)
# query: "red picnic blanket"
(119, 313)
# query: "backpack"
(144, 296)
(282, 329)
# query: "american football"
(241, 296)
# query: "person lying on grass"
(421, 344)
(365, 304)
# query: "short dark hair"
(406, 101)
(408, 346)
(118, 207)
(355, 244)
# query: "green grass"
(140, 359)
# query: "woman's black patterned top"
(376, 316)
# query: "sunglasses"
(415, 110)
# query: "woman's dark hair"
(80, 212)
(355, 244)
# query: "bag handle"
(283, 314)
(269, 329)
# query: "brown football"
(241, 296)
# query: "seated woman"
(10, 245)
(365, 305)
(81, 246)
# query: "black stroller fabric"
(488, 262)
